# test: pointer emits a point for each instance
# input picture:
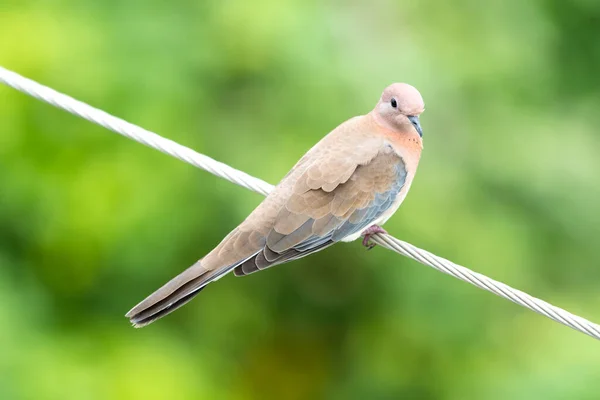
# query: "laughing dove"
(346, 186)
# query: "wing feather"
(312, 219)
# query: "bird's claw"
(370, 231)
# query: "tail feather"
(175, 293)
(139, 321)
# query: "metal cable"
(219, 169)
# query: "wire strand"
(241, 178)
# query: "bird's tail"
(175, 293)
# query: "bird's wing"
(337, 195)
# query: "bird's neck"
(404, 142)
(403, 136)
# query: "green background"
(90, 223)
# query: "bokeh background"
(90, 223)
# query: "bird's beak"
(415, 121)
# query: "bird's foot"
(370, 231)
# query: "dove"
(346, 186)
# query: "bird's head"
(399, 109)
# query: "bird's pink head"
(399, 108)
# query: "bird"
(346, 186)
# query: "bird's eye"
(394, 103)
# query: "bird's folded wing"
(340, 192)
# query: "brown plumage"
(354, 178)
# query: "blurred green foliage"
(90, 223)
